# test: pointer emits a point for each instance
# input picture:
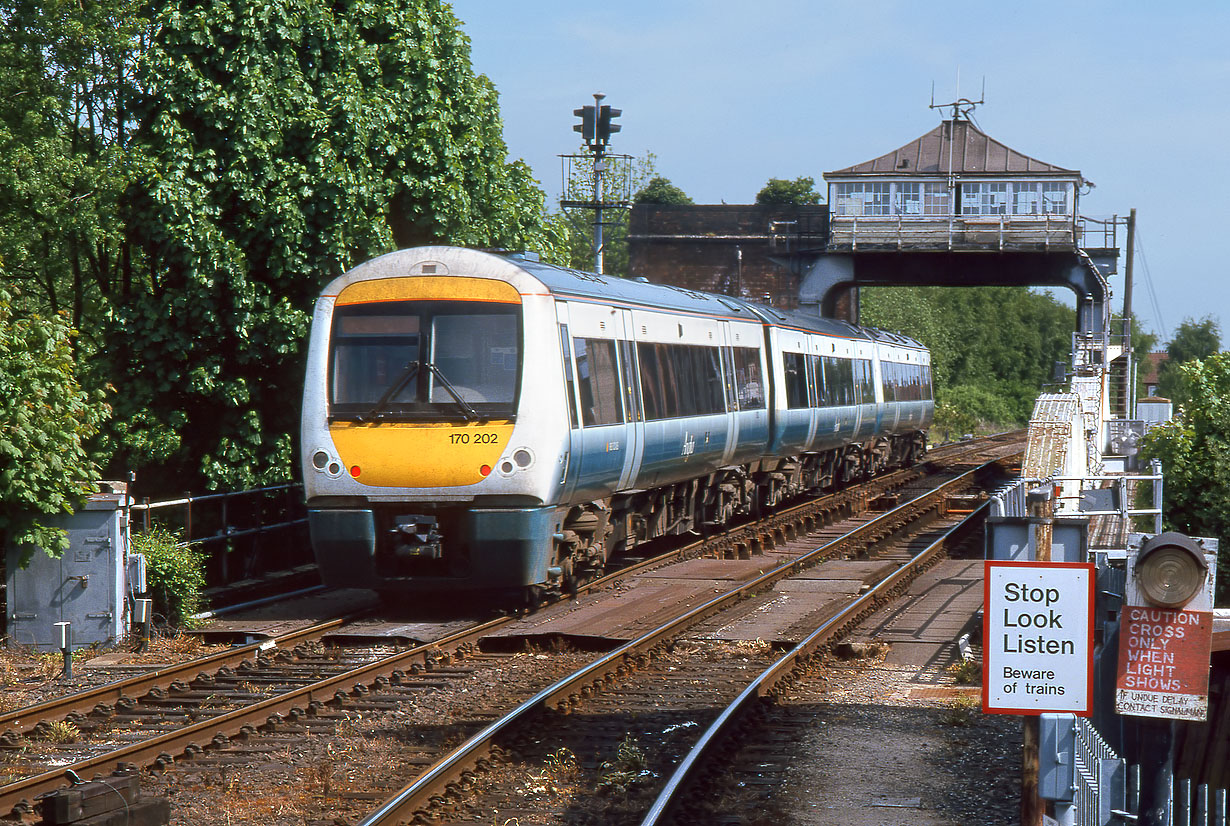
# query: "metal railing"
(246, 534)
(1010, 500)
(954, 231)
(1105, 790)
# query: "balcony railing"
(954, 232)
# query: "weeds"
(61, 731)
(966, 672)
(962, 711)
(628, 768)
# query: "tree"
(66, 91)
(286, 142)
(992, 348)
(1192, 341)
(660, 190)
(1194, 449)
(46, 420)
(799, 192)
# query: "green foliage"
(992, 348)
(65, 94)
(1192, 341)
(175, 574)
(46, 420)
(283, 143)
(1194, 450)
(659, 190)
(799, 192)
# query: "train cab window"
(795, 367)
(370, 351)
(598, 382)
(749, 385)
(477, 355)
(416, 360)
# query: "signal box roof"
(957, 147)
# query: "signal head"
(1170, 569)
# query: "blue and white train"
(478, 422)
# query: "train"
(476, 422)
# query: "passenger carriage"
(480, 422)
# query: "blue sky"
(729, 93)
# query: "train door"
(572, 449)
(634, 414)
(600, 439)
(731, 393)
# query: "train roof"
(563, 281)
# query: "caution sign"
(1037, 638)
(1164, 663)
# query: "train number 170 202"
(473, 438)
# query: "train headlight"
(322, 461)
(1170, 569)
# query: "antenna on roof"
(962, 108)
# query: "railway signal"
(595, 179)
(605, 128)
(586, 126)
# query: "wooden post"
(1041, 508)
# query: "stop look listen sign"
(1037, 638)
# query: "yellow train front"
(417, 474)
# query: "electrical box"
(86, 587)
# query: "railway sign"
(1037, 638)
(1166, 628)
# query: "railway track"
(294, 685)
(666, 684)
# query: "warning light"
(1170, 569)
(485, 471)
(355, 471)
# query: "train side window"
(708, 378)
(728, 374)
(864, 383)
(658, 388)
(795, 368)
(565, 344)
(749, 383)
(598, 382)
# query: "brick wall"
(699, 246)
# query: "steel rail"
(434, 782)
(234, 722)
(767, 681)
(85, 701)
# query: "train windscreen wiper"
(378, 409)
(467, 409)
